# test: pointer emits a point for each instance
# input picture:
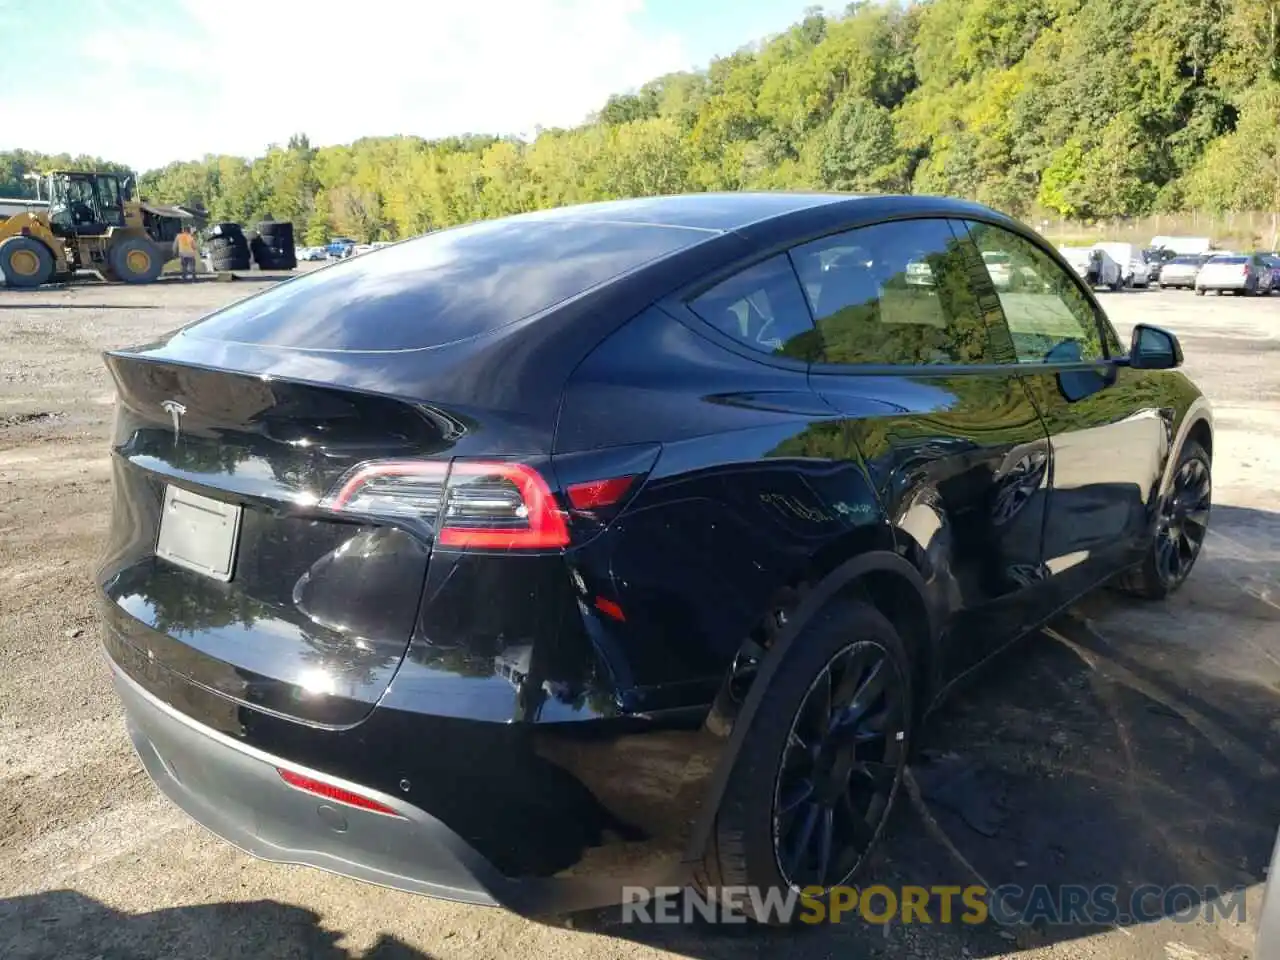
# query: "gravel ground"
(1130, 743)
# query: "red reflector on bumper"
(598, 493)
(330, 792)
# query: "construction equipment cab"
(85, 203)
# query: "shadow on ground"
(1128, 744)
(67, 925)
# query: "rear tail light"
(473, 503)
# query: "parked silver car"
(1181, 271)
(1240, 273)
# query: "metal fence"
(1257, 230)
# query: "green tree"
(858, 149)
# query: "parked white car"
(1094, 266)
(1238, 273)
(312, 253)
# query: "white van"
(1183, 246)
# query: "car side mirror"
(1154, 348)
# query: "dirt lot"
(1132, 743)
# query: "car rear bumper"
(1241, 284)
(237, 793)
(537, 818)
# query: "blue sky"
(148, 81)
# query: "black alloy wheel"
(841, 767)
(1181, 523)
(1184, 521)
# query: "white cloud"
(231, 76)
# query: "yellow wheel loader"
(92, 223)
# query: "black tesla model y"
(621, 544)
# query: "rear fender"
(731, 721)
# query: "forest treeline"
(1079, 108)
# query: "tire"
(25, 262)
(281, 254)
(1199, 291)
(1191, 496)
(220, 248)
(742, 849)
(136, 260)
(281, 230)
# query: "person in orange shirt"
(186, 244)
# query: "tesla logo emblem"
(176, 410)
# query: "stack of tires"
(273, 247)
(228, 248)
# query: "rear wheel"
(1199, 291)
(25, 262)
(1181, 527)
(135, 260)
(813, 786)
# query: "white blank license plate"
(198, 533)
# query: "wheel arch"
(880, 577)
(1202, 433)
(1197, 425)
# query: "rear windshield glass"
(1189, 261)
(1229, 260)
(444, 286)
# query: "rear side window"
(894, 293)
(762, 307)
(444, 286)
